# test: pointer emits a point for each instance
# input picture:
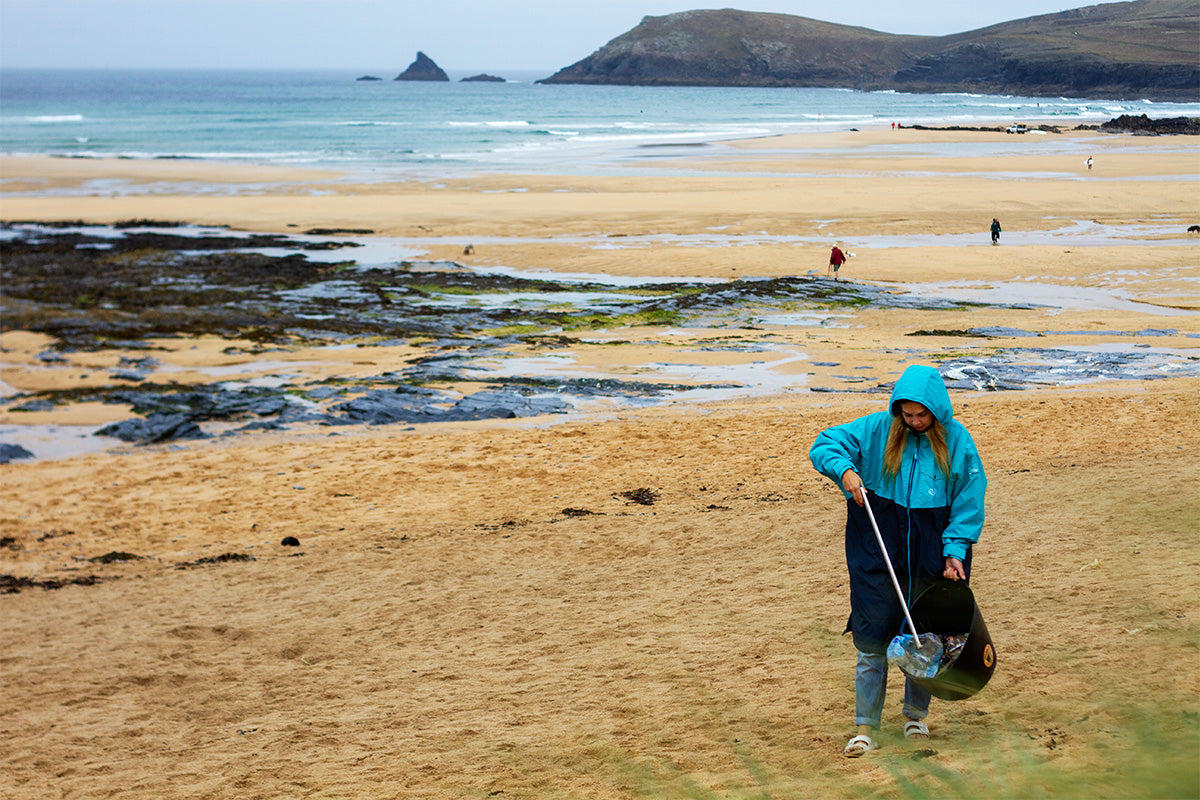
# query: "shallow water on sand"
(675, 372)
(1055, 298)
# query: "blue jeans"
(870, 686)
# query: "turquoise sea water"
(329, 119)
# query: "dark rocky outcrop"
(333, 231)
(1141, 49)
(483, 77)
(157, 427)
(413, 404)
(368, 78)
(11, 452)
(423, 69)
(1153, 127)
(224, 558)
(13, 584)
(115, 557)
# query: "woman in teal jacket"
(925, 484)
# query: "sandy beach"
(482, 609)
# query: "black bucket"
(948, 608)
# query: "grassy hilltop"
(1144, 49)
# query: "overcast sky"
(384, 35)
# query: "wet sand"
(476, 609)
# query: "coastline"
(477, 607)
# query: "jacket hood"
(923, 385)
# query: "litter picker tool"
(915, 658)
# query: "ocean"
(388, 128)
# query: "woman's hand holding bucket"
(954, 570)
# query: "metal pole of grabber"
(891, 572)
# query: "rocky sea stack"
(423, 69)
(483, 78)
(1144, 49)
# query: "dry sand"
(475, 610)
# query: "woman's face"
(916, 416)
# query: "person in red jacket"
(836, 259)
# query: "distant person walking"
(836, 259)
(1089, 163)
(995, 231)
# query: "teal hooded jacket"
(859, 445)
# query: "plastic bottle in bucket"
(917, 660)
(948, 609)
